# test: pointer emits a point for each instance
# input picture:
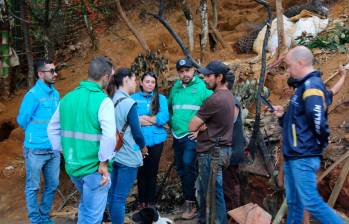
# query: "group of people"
(110, 135)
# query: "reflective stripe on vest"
(39, 121)
(81, 136)
(186, 107)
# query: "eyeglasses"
(52, 70)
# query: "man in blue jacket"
(35, 112)
(305, 135)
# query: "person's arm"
(205, 112)
(195, 124)
(106, 120)
(339, 84)
(27, 109)
(133, 122)
(162, 117)
(315, 113)
(54, 131)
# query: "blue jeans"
(122, 178)
(204, 162)
(48, 164)
(93, 197)
(302, 193)
(185, 155)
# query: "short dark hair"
(39, 65)
(99, 67)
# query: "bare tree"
(280, 27)
(88, 25)
(130, 26)
(190, 25)
(257, 139)
(27, 45)
(163, 21)
(204, 29)
(214, 13)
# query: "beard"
(211, 86)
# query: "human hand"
(193, 135)
(342, 70)
(144, 152)
(203, 127)
(278, 111)
(103, 169)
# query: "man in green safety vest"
(185, 99)
(84, 127)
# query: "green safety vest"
(184, 102)
(80, 129)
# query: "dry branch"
(179, 41)
(130, 26)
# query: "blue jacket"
(156, 133)
(305, 128)
(35, 112)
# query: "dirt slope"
(235, 19)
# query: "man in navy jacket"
(305, 135)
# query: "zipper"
(294, 134)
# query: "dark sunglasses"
(52, 70)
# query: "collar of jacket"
(194, 81)
(90, 85)
(310, 75)
(44, 86)
(147, 95)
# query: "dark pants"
(147, 175)
(185, 156)
(231, 187)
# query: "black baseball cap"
(184, 63)
(145, 216)
(214, 67)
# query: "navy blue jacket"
(305, 128)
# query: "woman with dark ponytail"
(130, 156)
(153, 115)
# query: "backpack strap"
(115, 104)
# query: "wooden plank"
(339, 184)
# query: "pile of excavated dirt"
(236, 18)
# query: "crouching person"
(84, 126)
(215, 119)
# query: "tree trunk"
(190, 25)
(27, 46)
(130, 26)
(204, 29)
(214, 13)
(280, 28)
(89, 27)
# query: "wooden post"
(339, 184)
(204, 29)
(280, 28)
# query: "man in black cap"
(185, 99)
(214, 143)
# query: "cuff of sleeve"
(103, 158)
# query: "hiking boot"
(189, 210)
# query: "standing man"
(214, 143)
(35, 112)
(84, 127)
(305, 135)
(185, 99)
